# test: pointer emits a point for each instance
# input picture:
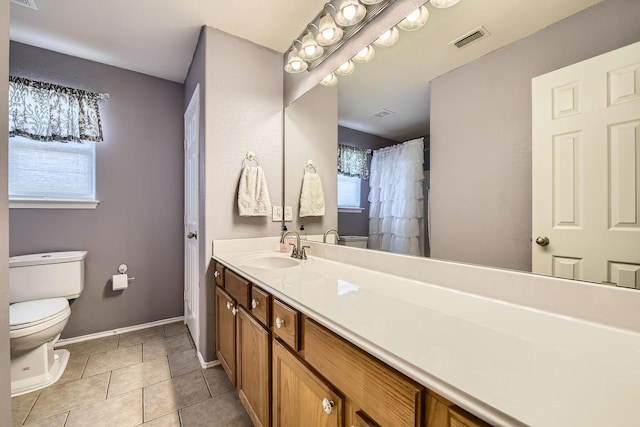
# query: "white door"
(191, 274)
(586, 170)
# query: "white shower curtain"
(396, 208)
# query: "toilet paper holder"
(122, 269)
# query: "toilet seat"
(25, 317)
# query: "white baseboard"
(206, 365)
(66, 341)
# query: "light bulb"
(363, 52)
(328, 78)
(310, 50)
(328, 33)
(413, 15)
(349, 12)
(296, 65)
(344, 66)
(385, 36)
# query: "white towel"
(253, 194)
(312, 195)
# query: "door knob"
(542, 240)
(192, 234)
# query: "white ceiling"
(158, 37)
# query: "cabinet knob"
(216, 274)
(279, 322)
(234, 311)
(327, 405)
(229, 305)
(254, 303)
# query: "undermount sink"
(270, 262)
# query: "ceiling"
(158, 37)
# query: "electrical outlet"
(288, 213)
(276, 213)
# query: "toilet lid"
(37, 311)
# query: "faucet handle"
(303, 254)
(294, 252)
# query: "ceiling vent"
(31, 4)
(470, 37)
(383, 113)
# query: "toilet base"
(36, 369)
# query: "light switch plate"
(288, 213)
(276, 213)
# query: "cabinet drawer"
(458, 417)
(385, 395)
(237, 287)
(286, 324)
(260, 306)
(218, 274)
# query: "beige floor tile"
(98, 345)
(20, 407)
(181, 363)
(115, 359)
(74, 369)
(122, 411)
(140, 336)
(224, 410)
(159, 348)
(173, 394)
(54, 421)
(138, 376)
(217, 380)
(169, 420)
(64, 397)
(176, 328)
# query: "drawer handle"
(234, 311)
(216, 274)
(279, 322)
(229, 305)
(254, 303)
(327, 405)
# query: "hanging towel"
(312, 195)
(253, 194)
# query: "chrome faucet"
(296, 246)
(330, 231)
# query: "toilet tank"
(47, 275)
(354, 241)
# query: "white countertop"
(499, 360)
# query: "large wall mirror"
(473, 107)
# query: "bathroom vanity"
(327, 343)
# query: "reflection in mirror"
(474, 105)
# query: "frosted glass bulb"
(363, 52)
(295, 65)
(385, 36)
(310, 50)
(328, 78)
(349, 12)
(328, 33)
(344, 66)
(413, 15)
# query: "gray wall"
(139, 182)
(5, 376)
(357, 224)
(311, 132)
(481, 135)
(243, 103)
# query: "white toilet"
(40, 286)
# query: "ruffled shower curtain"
(396, 205)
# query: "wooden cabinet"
(226, 332)
(300, 397)
(254, 368)
(286, 324)
(458, 417)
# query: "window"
(44, 172)
(349, 193)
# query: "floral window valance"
(49, 112)
(352, 161)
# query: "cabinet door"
(226, 333)
(253, 367)
(300, 398)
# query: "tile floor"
(149, 377)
